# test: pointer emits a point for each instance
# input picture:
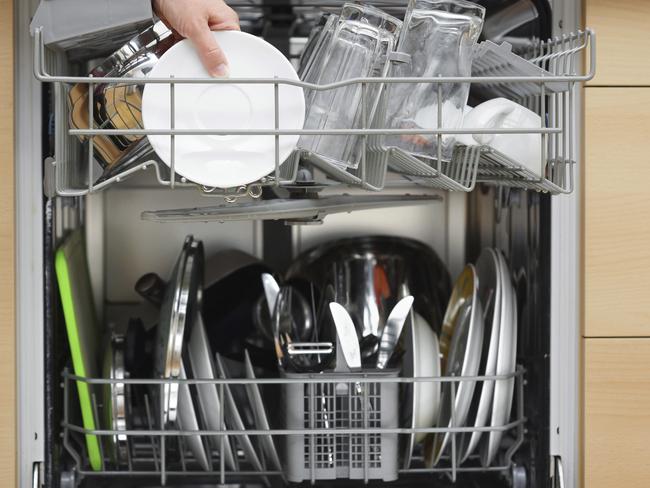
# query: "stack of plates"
(478, 338)
(183, 342)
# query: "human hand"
(195, 19)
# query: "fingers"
(195, 19)
(212, 57)
(224, 18)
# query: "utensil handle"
(151, 287)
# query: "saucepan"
(118, 106)
(369, 275)
(230, 296)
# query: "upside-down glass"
(439, 36)
(316, 47)
(357, 49)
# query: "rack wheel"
(68, 479)
(518, 476)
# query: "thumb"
(212, 57)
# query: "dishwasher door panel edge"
(566, 291)
(29, 253)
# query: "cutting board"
(82, 329)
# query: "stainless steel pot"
(370, 275)
(117, 106)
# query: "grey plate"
(187, 420)
(463, 359)
(209, 406)
(235, 422)
(259, 413)
(506, 364)
(490, 294)
(177, 311)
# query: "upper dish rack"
(545, 79)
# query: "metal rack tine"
(150, 424)
(163, 450)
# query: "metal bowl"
(233, 287)
(370, 275)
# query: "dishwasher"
(122, 228)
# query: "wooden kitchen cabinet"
(623, 43)
(617, 212)
(616, 413)
(8, 444)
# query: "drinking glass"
(439, 36)
(316, 47)
(358, 48)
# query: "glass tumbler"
(439, 36)
(316, 47)
(358, 47)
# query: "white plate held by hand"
(231, 160)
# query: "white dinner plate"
(489, 293)
(422, 360)
(209, 406)
(232, 160)
(506, 364)
(462, 332)
(259, 414)
(186, 419)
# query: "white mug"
(501, 113)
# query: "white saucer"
(233, 160)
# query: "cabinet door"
(617, 212)
(616, 413)
(622, 32)
(8, 445)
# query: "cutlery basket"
(342, 416)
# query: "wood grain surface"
(7, 310)
(616, 413)
(617, 212)
(623, 42)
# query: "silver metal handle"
(300, 348)
(36, 475)
(558, 473)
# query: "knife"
(271, 291)
(349, 344)
(347, 335)
(392, 330)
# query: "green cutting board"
(82, 329)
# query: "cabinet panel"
(7, 317)
(617, 212)
(623, 43)
(616, 413)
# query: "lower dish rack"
(332, 425)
